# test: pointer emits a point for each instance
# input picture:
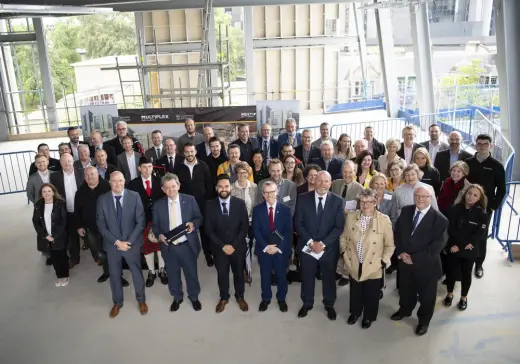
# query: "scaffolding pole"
(202, 81)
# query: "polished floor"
(43, 324)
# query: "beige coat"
(378, 245)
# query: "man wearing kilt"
(148, 185)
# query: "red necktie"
(148, 188)
(271, 218)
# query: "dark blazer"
(431, 177)
(200, 185)
(57, 179)
(227, 230)
(163, 164)
(328, 229)
(314, 153)
(58, 224)
(262, 174)
(201, 150)
(400, 152)
(442, 162)
(426, 243)
(334, 169)
(284, 139)
(378, 148)
(466, 226)
(110, 168)
(137, 185)
(151, 154)
(85, 204)
(80, 142)
(122, 165)
(109, 150)
(54, 165)
(116, 144)
(302, 189)
(491, 175)
(262, 230)
(132, 224)
(246, 149)
(78, 164)
(273, 148)
(189, 212)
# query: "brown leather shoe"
(221, 305)
(243, 304)
(143, 308)
(114, 311)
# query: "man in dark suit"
(204, 149)
(434, 145)
(270, 221)
(226, 225)
(305, 151)
(408, 146)
(445, 158)
(149, 189)
(420, 235)
(319, 221)
(67, 182)
(169, 212)
(74, 142)
(196, 181)
(157, 150)
(268, 144)
(246, 144)
(376, 148)
(96, 141)
(128, 161)
(170, 160)
(290, 136)
(120, 219)
(84, 160)
(328, 162)
(102, 165)
(54, 164)
(117, 142)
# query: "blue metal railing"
(506, 221)
(14, 171)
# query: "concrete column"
(422, 50)
(387, 54)
(45, 70)
(4, 116)
(213, 73)
(487, 10)
(508, 64)
(249, 54)
(475, 10)
(362, 47)
(141, 41)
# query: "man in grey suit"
(286, 189)
(434, 145)
(36, 180)
(120, 219)
(169, 212)
(157, 150)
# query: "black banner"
(179, 115)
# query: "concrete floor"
(41, 324)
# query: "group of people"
(328, 209)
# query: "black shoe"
(352, 319)
(479, 272)
(463, 304)
(163, 277)
(390, 269)
(196, 305)
(343, 282)
(150, 279)
(398, 316)
(102, 278)
(331, 313)
(48, 261)
(84, 247)
(175, 305)
(338, 276)
(303, 311)
(209, 261)
(124, 282)
(421, 330)
(273, 279)
(445, 281)
(447, 301)
(365, 324)
(283, 306)
(263, 306)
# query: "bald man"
(204, 149)
(445, 158)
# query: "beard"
(223, 194)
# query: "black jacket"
(314, 153)
(54, 165)
(58, 224)
(162, 165)
(109, 150)
(442, 162)
(85, 204)
(213, 164)
(466, 226)
(378, 148)
(400, 152)
(431, 177)
(137, 185)
(335, 166)
(200, 185)
(118, 147)
(201, 150)
(260, 175)
(246, 149)
(491, 175)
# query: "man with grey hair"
(445, 158)
(328, 162)
(290, 136)
(191, 136)
(305, 151)
(84, 160)
(325, 135)
(117, 142)
(96, 143)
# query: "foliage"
(236, 43)
(465, 75)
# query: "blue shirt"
(453, 158)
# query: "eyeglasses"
(269, 192)
(243, 172)
(366, 203)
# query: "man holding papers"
(319, 222)
(176, 218)
(272, 229)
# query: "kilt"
(149, 247)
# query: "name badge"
(387, 197)
(473, 223)
(286, 198)
(489, 169)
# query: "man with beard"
(191, 136)
(117, 142)
(54, 164)
(226, 225)
(445, 158)
(74, 143)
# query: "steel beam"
(249, 55)
(169, 48)
(17, 37)
(302, 42)
(171, 67)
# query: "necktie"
(224, 209)
(173, 217)
(415, 220)
(271, 218)
(158, 152)
(344, 193)
(320, 208)
(171, 164)
(291, 139)
(119, 211)
(148, 188)
(266, 151)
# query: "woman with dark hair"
(431, 175)
(260, 171)
(366, 170)
(50, 223)
(343, 148)
(452, 186)
(291, 171)
(468, 226)
(309, 173)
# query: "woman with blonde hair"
(384, 198)
(366, 245)
(431, 175)
(468, 226)
(50, 222)
(394, 172)
(343, 148)
(452, 186)
(393, 145)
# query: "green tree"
(236, 43)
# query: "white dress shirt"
(131, 165)
(408, 153)
(421, 216)
(316, 198)
(45, 176)
(208, 149)
(178, 216)
(433, 150)
(70, 189)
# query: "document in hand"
(308, 250)
(176, 233)
(275, 239)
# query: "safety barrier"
(506, 224)
(14, 171)
(385, 128)
(315, 131)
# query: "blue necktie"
(320, 209)
(224, 209)
(266, 151)
(415, 220)
(119, 211)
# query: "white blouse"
(47, 216)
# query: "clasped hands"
(271, 249)
(406, 258)
(317, 246)
(122, 245)
(189, 225)
(455, 249)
